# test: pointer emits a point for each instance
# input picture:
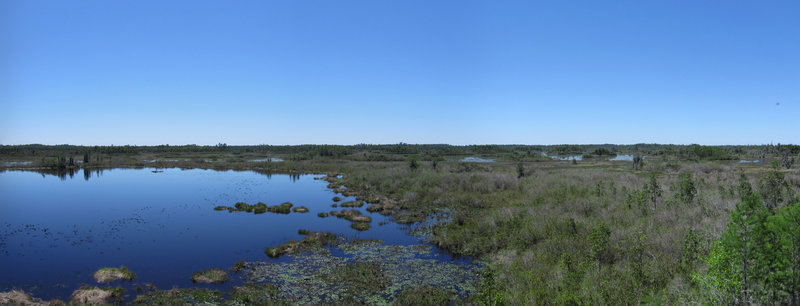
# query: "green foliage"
(490, 293)
(599, 242)
(413, 163)
(757, 260)
(686, 188)
(424, 295)
(774, 189)
(361, 226)
(361, 277)
(653, 189)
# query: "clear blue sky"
(414, 71)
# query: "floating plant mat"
(369, 271)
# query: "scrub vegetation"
(672, 225)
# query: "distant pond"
(56, 231)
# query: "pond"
(622, 157)
(473, 159)
(56, 231)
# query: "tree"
(654, 190)
(733, 266)
(412, 162)
(599, 241)
(520, 170)
(686, 189)
(638, 162)
(773, 188)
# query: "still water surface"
(56, 231)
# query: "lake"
(55, 231)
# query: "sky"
(415, 71)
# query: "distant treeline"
(694, 151)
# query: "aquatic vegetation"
(179, 297)
(375, 208)
(361, 277)
(310, 242)
(210, 276)
(257, 294)
(105, 275)
(284, 208)
(361, 226)
(303, 231)
(334, 205)
(300, 209)
(352, 204)
(221, 207)
(17, 297)
(96, 296)
(368, 273)
(337, 199)
(323, 215)
(424, 295)
(242, 206)
(237, 267)
(259, 208)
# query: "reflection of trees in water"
(268, 173)
(89, 173)
(69, 172)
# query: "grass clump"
(323, 215)
(361, 226)
(222, 207)
(259, 208)
(337, 199)
(210, 276)
(17, 297)
(303, 231)
(242, 206)
(312, 240)
(284, 208)
(352, 204)
(300, 209)
(105, 275)
(88, 295)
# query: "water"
(749, 161)
(55, 231)
(622, 158)
(261, 160)
(473, 159)
(17, 163)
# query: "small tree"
(520, 170)
(687, 189)
(413, 164)
(599, 241)
(654, 190)
(638, 162)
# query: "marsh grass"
(352, 204)
(312, 241)
(360, 226)
(300, 209)
(105, 275)
(210, 276)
